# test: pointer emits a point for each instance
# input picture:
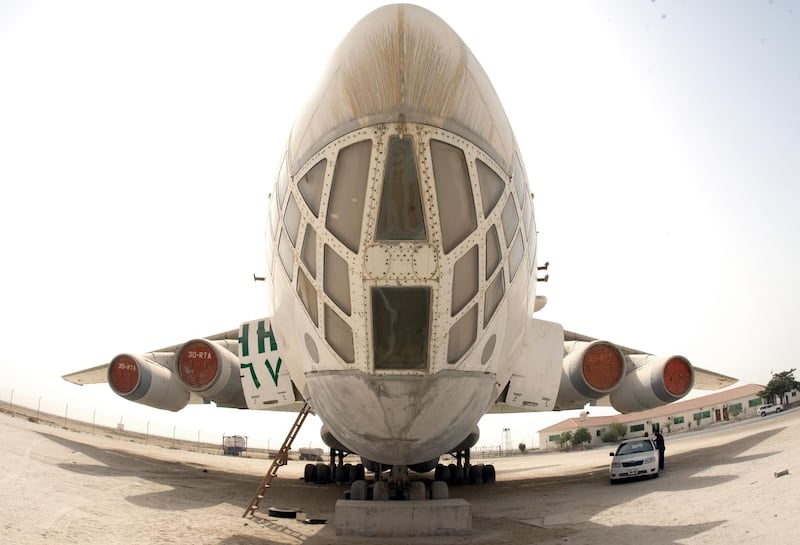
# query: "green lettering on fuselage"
(263, 333)
(274, 374)
(253, 374)
(244, 341)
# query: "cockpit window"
(462, 335)
(310, 186)
(283, 181)
(492, 251)
(465, 280)
(308, 295)
(493, 297)
(339, 335)
(309, 253)
(336, 281)
(491, 187)
(348, 188)
(400, 327)
(291, 219)
(521, 184)
(400, 216)
(515, 255)
(285, 253)
(453, 193)
(510, 220)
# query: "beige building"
(733, 404)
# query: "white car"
(634, 458)
(769, 408)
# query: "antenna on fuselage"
(545, 267)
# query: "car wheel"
(777, 410)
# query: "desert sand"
(719, 487)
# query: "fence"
(166, 429)
(160, 429)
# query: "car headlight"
(650, 460)
(616, 464)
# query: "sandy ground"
(66, 487)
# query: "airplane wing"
(240, 368)
(558, 370)
(93, 375)
(99, 373)
(703, 378)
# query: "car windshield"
(633, 447)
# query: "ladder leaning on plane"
(280, 460)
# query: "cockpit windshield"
(400, 216)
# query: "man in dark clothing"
(659, 440)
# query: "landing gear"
(335, 471)
(397, 485)
(462, 472)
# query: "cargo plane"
(403, 268)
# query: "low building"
(736, 403)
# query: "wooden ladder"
(280, 460)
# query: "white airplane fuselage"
(402, 270)
(403, 250)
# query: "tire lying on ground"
(282, 513)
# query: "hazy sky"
(139, 140)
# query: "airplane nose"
(402, 63)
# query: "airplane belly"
(400, 419)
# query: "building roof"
(666, 410)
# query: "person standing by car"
(659, 440)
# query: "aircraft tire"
(456, 475)
(310, 473)
(476, 474)
(442, 473)
(439, 491)
(358, 491)
(359, 473)
(323, 473)
(416, 491)
(489, 474)
(380, 491)
(279, 512)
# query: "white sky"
(138, 142)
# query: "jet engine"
(211, 370)
(469, 441)
(330, 440)
(654, 381)
(590, 371)
(144, 381)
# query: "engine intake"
(654, 381)
(590, 371)
(211, 369)
(144, 381)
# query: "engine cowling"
(590, 371)
(469, 441)
(211, 370)
(654, 381)
(139, 379)
(330, 440)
